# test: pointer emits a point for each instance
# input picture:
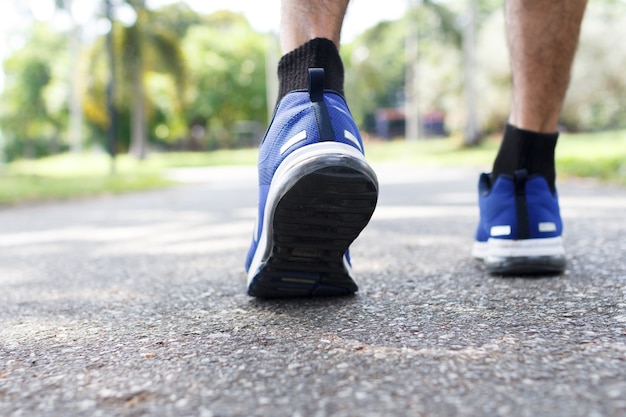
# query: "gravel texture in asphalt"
(136, 305)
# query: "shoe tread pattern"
(314, 224)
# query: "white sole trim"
(495, 249)
(298, 164)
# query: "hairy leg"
(303, 20)
(542, 37)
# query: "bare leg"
(542, 35)
(303, 20)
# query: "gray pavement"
(136, 305)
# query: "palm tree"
(110, 90)
(463, 38)
(471, 135)
(75, 104)
(448, 30)
(148, 45)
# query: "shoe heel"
(314, 224)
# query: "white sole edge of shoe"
(495, 249)
(301, 162)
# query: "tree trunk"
(411, 96)
(110, 92)
(76, 111)
(139, 136)
(138, 139)
(471, 135)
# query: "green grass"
(28, 188)
(597, 155)
(434, 152)
(68, 176)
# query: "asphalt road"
(136, 305)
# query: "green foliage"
(588, 155)
(32, 113)
(441, 22)
(596, 99)
(175, 18)
(375, 70)
(22, 189)
(150, 68)
(597, 95)
(226, 59)
(202, 78)
(70, 176)
(201, 75)
(375, 64)
(598, 155)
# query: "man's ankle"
(524, 149)
(316, 53)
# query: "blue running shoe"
(520, 226)
(316, 194)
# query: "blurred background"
(143, 77)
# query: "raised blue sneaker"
(520, 226)
(316, 194)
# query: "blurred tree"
(375, 63)
(192, 77)
(226, 58)
(596, 98)
(33, 104)
(375, 71)
(75, 42)
(597, 95)
(148, 45)
(199, 78)
(176, 18)
(147, 50)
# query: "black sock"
(317, 53)
(523, 149)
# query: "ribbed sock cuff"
(316, 53)
(524, 149)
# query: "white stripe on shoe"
(348, 135)
(547, 227)
(502, 230)
(298, 137)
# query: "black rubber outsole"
(314, 224)
(539, 266)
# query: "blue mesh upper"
(497, 207)
(293, 115)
